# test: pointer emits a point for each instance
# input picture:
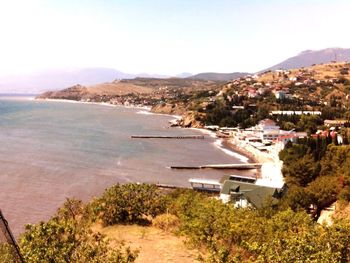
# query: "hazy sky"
(166, 36)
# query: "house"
(262, 91)
(252, 93)
(265, 130)
(280, 95)
(267, 125)
(268, 131)
(288, 137)
(245, 194)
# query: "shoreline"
(229, 144)
(228, 148)
(149, 112)
(94, 103)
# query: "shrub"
(7, 253)
(344, 71)
(128, 203)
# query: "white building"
(291, 112)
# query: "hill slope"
(153, 88)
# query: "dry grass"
(321, 71)
(118, 88)
(342, 210)
(155, 245)
(150, 85)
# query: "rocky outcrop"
(191, 120)
(168, 108)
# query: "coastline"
(94, 103)
(228, 148)
(229, 144)
(149, 112)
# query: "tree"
(309, 123)
(128, 203)
(301, 171)
(323, 192)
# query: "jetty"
(167, 137)
(236, 166)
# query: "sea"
(53, 150)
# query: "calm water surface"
(54, 150)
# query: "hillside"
(310, 57)
(245, 101)
(138, 91)
(219, 76)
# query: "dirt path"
(155, 245)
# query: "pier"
(237, 166)
(167, 137)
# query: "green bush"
(248, 235)
(6, 253)
(128, 203)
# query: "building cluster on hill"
(290, 84)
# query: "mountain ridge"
(60, 79)
(307, 58)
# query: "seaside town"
(258, 114)
(292, 125)
(174, 131)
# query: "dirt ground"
(154, 245)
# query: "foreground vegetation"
(221, 232)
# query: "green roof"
(255, 194)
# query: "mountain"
(310, 57)
(219, 76)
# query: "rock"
(190, 119)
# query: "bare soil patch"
(154, 245)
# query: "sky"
(165, 36)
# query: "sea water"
(50, 151)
